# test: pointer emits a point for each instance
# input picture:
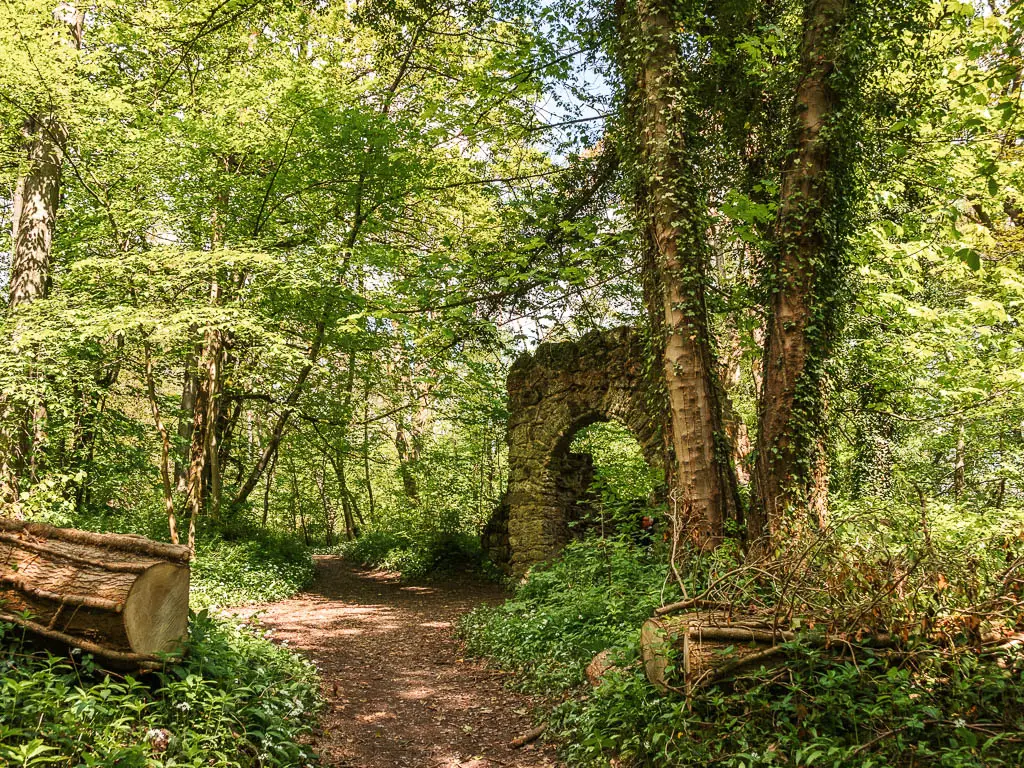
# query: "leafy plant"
(234, 700)
(591, 598)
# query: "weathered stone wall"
(553, 394)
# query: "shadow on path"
(399, 693)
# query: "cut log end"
(693, 650)
(156, 610)
(121, 597)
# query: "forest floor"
(399, 691)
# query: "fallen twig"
(527, 737)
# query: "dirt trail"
(399, 692)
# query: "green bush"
(929, 706)
(236, 699)
(820, 710)
(415, 557)
(256, 570)
(591, 598)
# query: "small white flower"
(183, 706)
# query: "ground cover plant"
(252, 569)
(419, 555)
(235, 699)
(939, 697)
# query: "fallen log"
(684, 652)
(691, 651)
(123, 598)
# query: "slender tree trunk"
(702, 478)
(805, 269)
(186, 419)
(338, 462)
(266, 491)
(165, 443)
(735, 428)
(366, 443)
(87, 450)
(203, 481)
(297, 511)
(321, 483)
(409, 485)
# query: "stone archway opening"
(553, 394)
(616, 483)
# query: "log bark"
(695, 650)
(686, 652)
(123, 598)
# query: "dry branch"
(527, 737)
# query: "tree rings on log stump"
(681, 653)
(124, 598)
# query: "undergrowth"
(591, 598)
(941, 699)
(261, 569)
(819, 710)
(417, 556)
(235, 699)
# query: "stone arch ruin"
(552, 394)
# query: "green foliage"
(415, 557)
(623, 481)
(260, 568)
(878, 571)
(592, 597)
(236, 699)
(820, 710)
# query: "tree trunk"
(165, 443)
(203, 481)
(36, 198)
(702, 479)
(366, 445)
(329, 514)
(805, 267)
(124, 598)
(266, 490)
(186, 420)
(412, 492)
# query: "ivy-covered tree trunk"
(34, 216)
(804, 272)
(203, 479)
(702, 481)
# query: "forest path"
(399, 692)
